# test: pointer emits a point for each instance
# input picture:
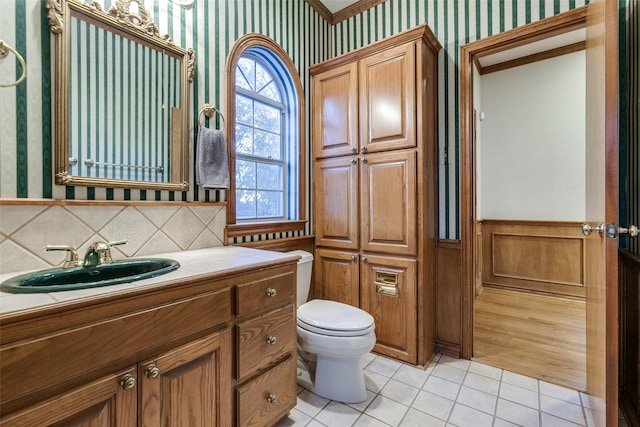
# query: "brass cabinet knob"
(152, 372)
(354, 257)
(128, 382)
(354, 161)
(354, 150)
(271, 340)
(364, 258)
(272, 398)
(364, 160)
(363, 149)
(271, 292)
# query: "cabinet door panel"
(387, 100)
(102, 403)
(336, 202)
(395, 316)
(193, 385)
(335, 111)
(389, 215)
(337, 276)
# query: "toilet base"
(341, 380)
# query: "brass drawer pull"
(152, 372)
(128, 382)
(271, 340)
(271, 292)
(272, 398)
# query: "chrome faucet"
(97, 253)
(100, 253)
(71, 260)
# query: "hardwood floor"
(535, 335)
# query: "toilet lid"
(334, 318)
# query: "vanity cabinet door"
(335, 112)
(189, 386)
(337, 276)
(336, 202)
(388, 100)
(389, 203)
(107, 402)
(389, 294)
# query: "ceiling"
(336, 5)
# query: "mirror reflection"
(122, 98)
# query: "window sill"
(254, 228)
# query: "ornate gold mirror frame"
(126, 20)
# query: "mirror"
(121, 98)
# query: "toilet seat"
(334, 319)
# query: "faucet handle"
(71, 259)
(100, 253)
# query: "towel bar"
(209, 110)
(4, 51)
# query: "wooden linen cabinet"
(375, 194)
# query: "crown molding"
(343, 14)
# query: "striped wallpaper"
(211, 27)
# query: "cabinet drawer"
(269, 397)
(262, 292)
(264, 339)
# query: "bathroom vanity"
(211, 344)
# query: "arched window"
(266, 135)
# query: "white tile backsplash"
(26, 229)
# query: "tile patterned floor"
(450, 392)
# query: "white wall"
(533, 141)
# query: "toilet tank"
(304, 275)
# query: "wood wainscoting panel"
(449, 297)
(545, 257)
(540, 336)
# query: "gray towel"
(212, 167)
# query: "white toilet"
(332, 337)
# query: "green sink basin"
(66, 279)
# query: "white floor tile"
(433, 405)
(366, 359)
(400, 392)
(311, 404)
(518, 414)
(551, 421)
(449, 373)
(442, 387)
(387, 410)
(478, 400)
(367, 421)
(337, 414)
(519, 395)
(484, 384)
(296, 418)
(374, 381)
(383, 366)
(448, 392)
(520, 381)
(561, 393)
(562, 409)
(464, 416)
(415, 418)
(412, 376)
(485, 370)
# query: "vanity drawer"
(273, 287)
(269, 397)
(264, 339)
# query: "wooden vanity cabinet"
(266, 337)
(208, 353)
(375, 186)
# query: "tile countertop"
(192, 264)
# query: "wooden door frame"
(469, 53)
